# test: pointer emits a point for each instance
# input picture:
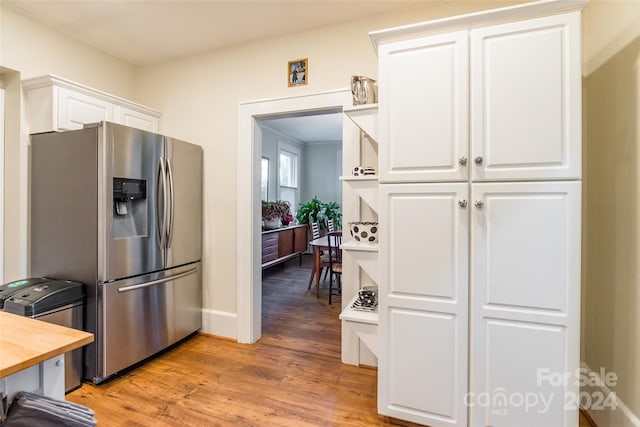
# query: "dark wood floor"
(292, 377)
(292, 318)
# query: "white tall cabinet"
(480, 168)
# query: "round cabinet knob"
(463, 161)
(462, 203)
(478, 204)
(478, 160)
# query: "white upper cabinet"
(501, 101)
(56, 104)
(135, 119)
(525, 99)
(424, 108)
(75, 109)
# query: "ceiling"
(149, 32)
(310, 129)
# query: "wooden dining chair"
(335, 262)
(331, 226)
(314, 228)
(324, 259)
(330, 229)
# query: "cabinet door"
(300, 239)
(424, 109)
(136, 119)
(525, 99)
(423, 313)
(76, 109)
(525, 284)
(285, 243)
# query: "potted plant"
(316, 211)
(275, 214)
(331, 210)
(309, 212)
(285, 212)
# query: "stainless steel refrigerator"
(120, 209)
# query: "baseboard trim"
(220, 323)
(620, 416)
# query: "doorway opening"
(249, 271)
(301, 163)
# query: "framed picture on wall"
(298, 72)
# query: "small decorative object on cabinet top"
(363, 171)
(364, 90)
(366, 232)
(298, 72)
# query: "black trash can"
(55, 301)
(9, 289)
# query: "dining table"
(318, 245)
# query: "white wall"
(199, 97)
(322, 172)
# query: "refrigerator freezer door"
(145, 314)
(130, 225)
(185, 202)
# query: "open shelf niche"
(364, 193)
(365, 117)
(366, 187)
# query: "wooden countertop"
(25, 342)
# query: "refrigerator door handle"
(162, 222)
(171, 204)
(155, 282)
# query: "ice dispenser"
(130, 207)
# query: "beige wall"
(611, 237)
(199, 98)
(28, 49)
(34, 50)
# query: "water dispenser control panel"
(126, 190)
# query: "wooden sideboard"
(283, 244)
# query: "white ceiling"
(152, 31)
(309, 129)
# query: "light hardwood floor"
(292, 377)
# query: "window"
(288, 169)
(264, 179)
